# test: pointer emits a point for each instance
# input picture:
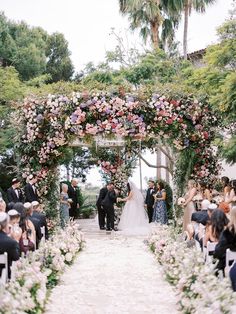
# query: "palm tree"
(149, 15)
(188, 5)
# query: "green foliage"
(59, 64)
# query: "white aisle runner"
(113, 276)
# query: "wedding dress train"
(134, 219)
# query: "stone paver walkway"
(112, 275)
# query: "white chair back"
(4, 275)
(210, 248)
(230, 257)
(43, 232)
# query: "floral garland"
(32, 276)
(47, 126)
(199, 290)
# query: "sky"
(87, 25)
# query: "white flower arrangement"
(199, 289)
(40, 270)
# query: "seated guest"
(40, 216)
(216, 226)
(7, 244)
(227, 241)
(29, 214)
(2, 205)
(14, 222)
(28, 239)
(10, 206)
(14, 193)
(202, 215)
(232, 276)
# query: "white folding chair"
(210, 248)
(230, 257)
(43, 232)
(4, 275)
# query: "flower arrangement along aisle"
(199, 289)
(39, 271)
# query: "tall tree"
(149, 15)
(59, 64)
(188, 6)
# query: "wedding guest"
(217, 224)
(232, 276)
(29, 215)
(160, 210)
(149, 200)
(73, 195)
(14, 216)
(101, 211)
(31, 193)
(64, 205)
(27, 241)
(7, 244)
(189, 207)
(10, 206)
(14, 193)
(2, 205)
(40, 216)
(231, 193)
(227, 241)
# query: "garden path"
(113, 274)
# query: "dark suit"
(12, 248)
(43, 222)
(12, 196)
(149, 201)
(72, 193)
(108, 206)
(101, 212)
(36, 224)
(30, 193)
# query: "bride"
(134, 219)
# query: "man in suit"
(149, 200)
(7, 244)
(14, 193)
(29, 213)
(101, 212)
(73, 194)
(30, 189)
(40, 216)
(108, 206)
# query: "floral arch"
(48, 125)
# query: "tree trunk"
(158, 163)
(155, 34)
(185, 39)
(67, 172)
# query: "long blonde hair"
(232, 222)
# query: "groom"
(149, 201)
(108, 205)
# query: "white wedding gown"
(134, 219)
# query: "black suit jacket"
(36, 224)
(12, 196)
(12, 248)
(42, 220)
(72, 193)
(102, 195)
(149, 201)
(109, 200)
(30, 194)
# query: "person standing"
(64, 205)
(40, 216)
(31, 193)
(108, 206)
(73, 195)
(101, 211)
(14, 193)
(189, 207)
(149, 200)
(160, 209)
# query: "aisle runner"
(113, 276)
